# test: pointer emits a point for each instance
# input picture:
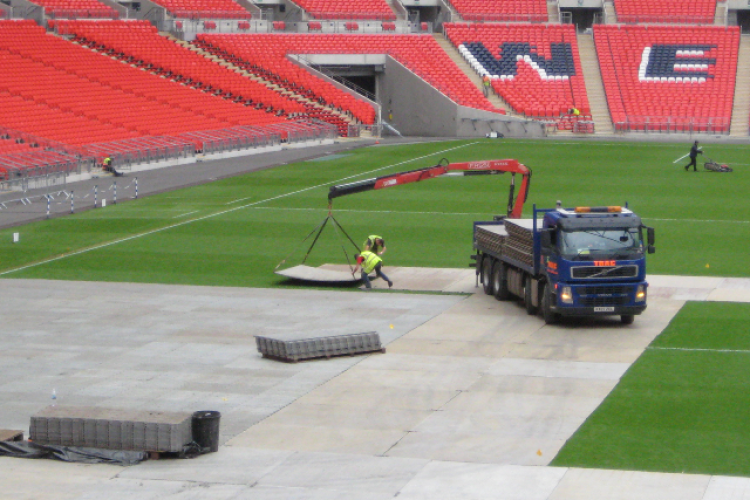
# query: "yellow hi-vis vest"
(370, 261)
(373, 246)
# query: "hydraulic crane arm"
(488, 167)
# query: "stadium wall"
(154, 13)
(418, 109)
(26, 10)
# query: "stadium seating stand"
(505, 11)
(539, 75)
(669, 78)
(666, 11)
(265, 54)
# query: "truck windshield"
(602, 244)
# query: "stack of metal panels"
(520, 241)
(491, 237)
(296, 348)
(94, 427)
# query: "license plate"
(604, 309)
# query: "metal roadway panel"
(317, 274)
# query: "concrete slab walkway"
(472, 399)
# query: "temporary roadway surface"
(472, 399)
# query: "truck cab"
(583, 261)
(593, 262)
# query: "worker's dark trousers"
(692, 163)
(378, 272)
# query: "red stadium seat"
(204, 9)
(666, 11)
(65, 92)
(266, 54)
(545, 83)
(665, 78)
(348, 9)
(86, 9)
(505, 11)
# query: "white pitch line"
(186, 214)
(396, 212)
(216, 214)
(691, 349)
(237, 201)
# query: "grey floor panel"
(472, 399)
(354, 473)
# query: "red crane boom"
(486, 167)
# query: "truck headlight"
(640, 293)
(566, 296)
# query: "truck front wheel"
(487, 274)
(627, 319)
(549, 316)
(500, 281)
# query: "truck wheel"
(500, 281)
(530, 309)
(627, 319)
(487, 274)
(549, 316)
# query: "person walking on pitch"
(694, 152)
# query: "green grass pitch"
(234, 232)
(682, 406)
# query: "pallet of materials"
(112, 429)
(298, 347)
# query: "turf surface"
(682, 406)
(234, 232)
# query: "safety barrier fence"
(32, 164)
(669, 124)
(356, 129)
(48, 157)
(209, 14)
(214, 141)
(182, 26)
(302, 131)
(42, 157)
(352, 15)
(664, 19)
(103, 13)
(126, 153)
(508, 17)
(36, 141)
(56, 200)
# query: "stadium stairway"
(720, 16)
(610, 15)
(398, 9)
(339, 117)
(740, 126)
(455, 16)
(456, 57)
(553, 11)
(594, 85)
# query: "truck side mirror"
(546, 236)
(651, 237)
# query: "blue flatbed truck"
(582, 261)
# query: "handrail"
(672, 124)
